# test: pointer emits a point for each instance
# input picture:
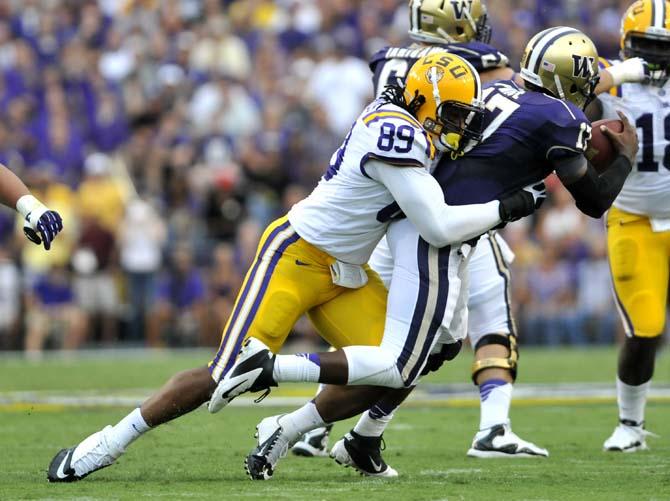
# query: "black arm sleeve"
(595, 193)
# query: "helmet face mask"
(460, 125)
(457, 21)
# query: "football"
(600, 152)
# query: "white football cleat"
(313, 443)
(628, 436)
(364, 454)
(252, 372)
(500, 441)
(272, 445)
(93, 453)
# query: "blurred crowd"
(169, 133)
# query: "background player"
(638, 226)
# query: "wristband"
(26, 204)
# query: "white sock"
(368, 426)
(297, 368)
(299, 422)
(126, 431)
(631, 400)
(495, 400)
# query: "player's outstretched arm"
(594, 193)
(628, 71)
(421, 199)
(41, 225)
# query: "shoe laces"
(101, 454)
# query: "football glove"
(41, 225)
(522, 203)
(446, 353)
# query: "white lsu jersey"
(348, 212)
(647, 189)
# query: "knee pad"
(510, 363)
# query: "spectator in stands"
(178, 315)
(142, 235)
(54, 317)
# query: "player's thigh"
(489, 292)
(423, 298)
(355, 316)
(638, 260)
(275, 293)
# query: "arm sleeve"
(421, 199)
(593, 193)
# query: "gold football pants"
(288, 278)
(639, 262)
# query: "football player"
(461, 27)
(638, 225)
(40, 224)
(316, 255)
(527, 135)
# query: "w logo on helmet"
(460, 7)
(582, 66)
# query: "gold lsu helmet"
(645, 33)
(440, 21)
(444, 93)
(562, 62)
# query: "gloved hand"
(41, 225)
(539, 192)
(522, 203)
(446, 353)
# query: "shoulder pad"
(396, 137)
(378, 57)
(482, 56)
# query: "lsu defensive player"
(317, 254)
(461, 27)
(638, 225)
(527, 135)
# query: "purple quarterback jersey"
(525, 134)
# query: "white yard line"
(429, 394)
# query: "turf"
(200, 456)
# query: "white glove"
(631, 70)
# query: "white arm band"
(421, 199)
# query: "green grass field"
(200, 456)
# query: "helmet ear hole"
(459, 30)
(573, 89)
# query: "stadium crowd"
(169, 133)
